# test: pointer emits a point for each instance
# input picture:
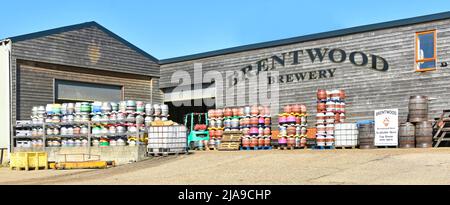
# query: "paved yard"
(381, 166)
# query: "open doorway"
(177, 113)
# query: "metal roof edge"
(311, 37)
(39, 34)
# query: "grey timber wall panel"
(88, 47)
(366, 89)
(157, 94)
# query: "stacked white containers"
(156, 112)
(346, 135)
(113, 124)
(167, 139)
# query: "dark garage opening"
(177, 113)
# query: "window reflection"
(425, 50)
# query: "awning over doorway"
(172, 96)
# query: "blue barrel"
(364, 122)
(97, 107)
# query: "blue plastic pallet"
(256, 148)
(322, 147)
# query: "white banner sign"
(386, 127)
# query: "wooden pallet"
(205, 148)
(283, 147)
(441, 128)
(386, 147)
(211, 149)
(231, 136)
(155, 150)
(165, 154)
(229, 146)
(231, 139)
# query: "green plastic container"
(56, 108)
(85, 107)
(104, 144)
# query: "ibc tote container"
(169, 139)
(346, 134)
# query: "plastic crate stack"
(330, 110)
(65, 124)
(154, 112)
(111, 123)
(293, 126)
(255, 123)
(215, 127)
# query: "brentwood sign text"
(316, 55)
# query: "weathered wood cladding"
(87, 47)
(36, 85)
(366, 89)
(157, 93)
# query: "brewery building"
(379, 66)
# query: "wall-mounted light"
(444, 64)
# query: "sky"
(169, 28)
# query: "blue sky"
(171, 28)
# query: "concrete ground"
(380, 166)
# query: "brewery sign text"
(386, 127)
(315, 55)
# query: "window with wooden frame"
(426, 51)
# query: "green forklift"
(197, 127)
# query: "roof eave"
(312, 37)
